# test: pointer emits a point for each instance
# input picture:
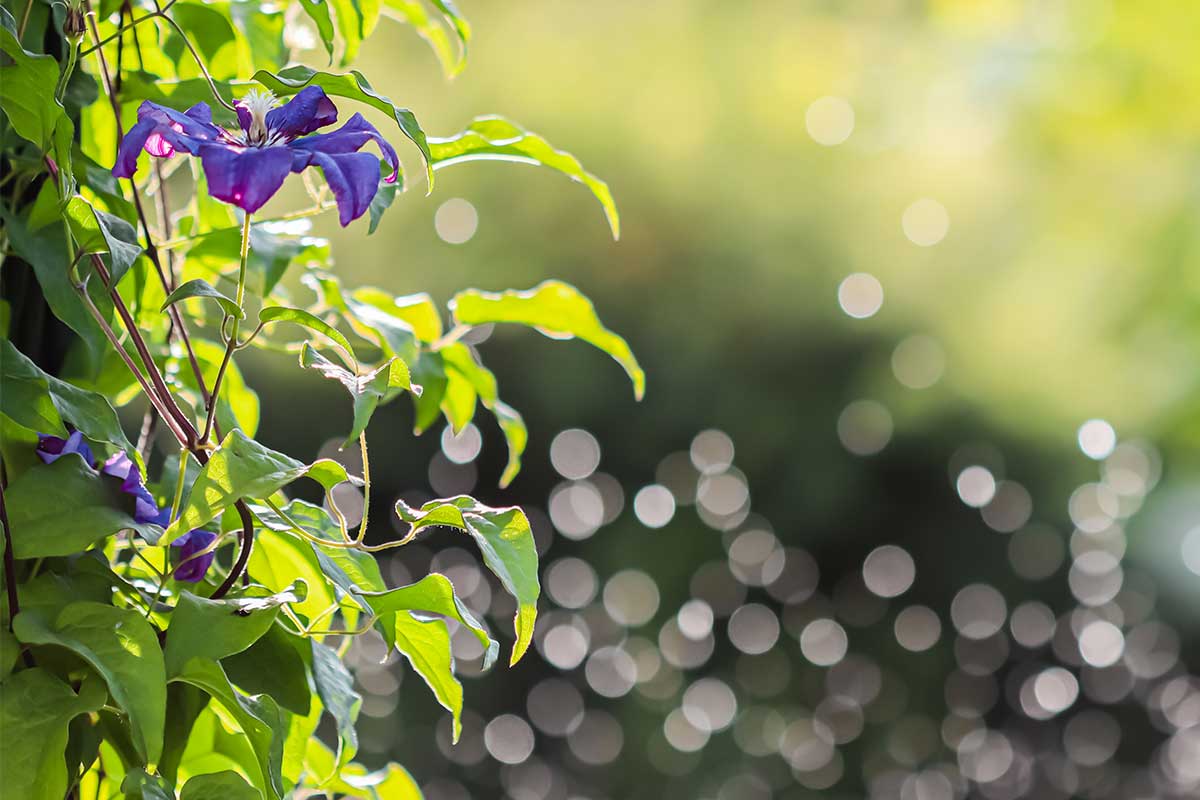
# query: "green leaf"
(367, 390)
(307, 320)
(46, 251)
(394, 783)
(354, 86)
(417, 311)
(264, 725)
(278, 559)
(426, 646)
(88, 411)
(273, 666)
(434, 594)
(199, 287)
(218, 628)
(121, 240)
(318, 12)
(494, 138)
(385, 195)
(62, 508)
(242, 467)
(227, 785)
(335, 687)
(29, 84)
(554, 308)
(506, 542)
(515, 434)
(35, 710)
(141, 785)
(123, 648)
(184, 706)
(26, 396)
(452, 59)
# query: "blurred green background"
(892, 256)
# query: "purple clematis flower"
(145, 509)
(192, 570)
(52, 448)
(247, 167)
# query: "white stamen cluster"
(258, 103)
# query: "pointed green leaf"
(35, 710)
(515, 434)
(218, 628)
(225, 785)
(453, 59)
(554, 308)
(264, 725)
(27, 389)
(426, 646)
(435, 594)
(307, 320)
(318, 12)
(198, 287)
(506, 542)
(335, 687)
(141, 785)
(123, 648)
(494, 138)
(121, 241)
(26, 396)
(273, 666)
(242, 467)
(61, 508)
(354, 86)
(29, 81)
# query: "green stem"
(68, 69)
(362, 529)
(232, 344)
(127, 27)
(183, 457)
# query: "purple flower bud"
(247, 167)
(145, 509)
(192, 570)
(51, 448)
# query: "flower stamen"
(257, 103)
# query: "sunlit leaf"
(29, 80)
(434, 594)
(198, 287)
(554, 308)
(308, 320)
(497, 139)
(506, 541)
(259, 717)
(241, 467)
(218, 628)
(225, 785)
(122, 647)
(426, 646)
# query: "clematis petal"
(52, 448)
(309, 110)
(161, 131)
(245, 177)
(351, 138)
(191, 567)
(354, 179)
(145, 509)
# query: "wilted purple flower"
(192, 570)
(247, 167)
(52, 448)
(145, 509)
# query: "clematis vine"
(247, 167)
